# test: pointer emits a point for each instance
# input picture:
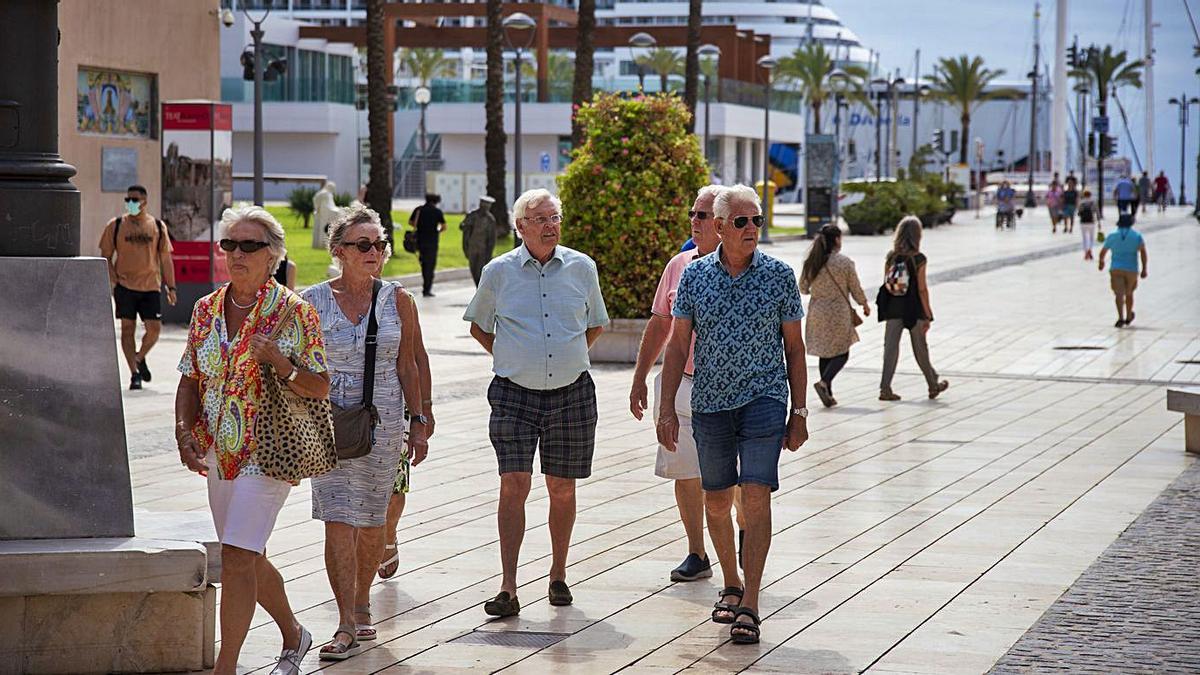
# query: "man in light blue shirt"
(537, 310)
(1126, 194)
(744, 308)
(1127, 245)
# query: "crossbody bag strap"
(839, 286)
(372, 346)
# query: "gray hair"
(348, 218)
(709, 191)
(531, 199)
(727, 197)
(276, 237)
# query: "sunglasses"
(246, 246)
(364, 245)
(743, 221)
(698, 215)
(132, 200)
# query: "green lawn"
(311, 263)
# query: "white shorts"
(684, 463)
(244, 509)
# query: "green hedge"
(885, 203)
(627, 191)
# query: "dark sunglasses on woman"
(743, 221)
(698, 215)
(247, 245)
(364, 245)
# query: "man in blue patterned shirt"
(744, 308)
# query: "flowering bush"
(627, 192)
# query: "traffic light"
(939, 138)
(1073, 56)
(1091, 146)
(1108, 146)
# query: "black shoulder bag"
(354, 426)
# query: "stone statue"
(479, 236)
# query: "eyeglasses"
(132, 200)
(743, 221)
(543, 221)
(698, 215)
(364, 245)
(246, 246)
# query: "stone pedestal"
(619, 342)
(64, 468)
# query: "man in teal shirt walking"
(1127, 245)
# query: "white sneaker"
(288, 662)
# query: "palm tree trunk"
(691, 68)
(816, 110)
(379, 70)
(495, 138)
(664, 81)
(963, 143)
(585, 65)
(1100, 162)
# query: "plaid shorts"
(561, 421)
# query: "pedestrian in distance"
(683, 464)
(1145, 191)
(247, 330)
(831, 279)
(903, 301)
(1054, 205)
(429, 222)
(138, 251)
(368, 333)
(744, 309)
(1162, 187)
(1125, 193)
(1087, 223)
(1006, 209)
(1070, 204)
(537, 311)
(1127, 246)
(479, 236)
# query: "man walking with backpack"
(139, 263)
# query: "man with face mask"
(139, 264)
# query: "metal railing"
(412, 166)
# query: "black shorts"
(562, 422)
(132, 304)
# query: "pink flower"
(625, 151)
(638, 213)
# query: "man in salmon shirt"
(682, 466)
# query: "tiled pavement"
(912, 537)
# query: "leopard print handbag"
(294, 434)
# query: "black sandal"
(742, 632)
(725, 612)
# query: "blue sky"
(1001, 31)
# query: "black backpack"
(162, 231)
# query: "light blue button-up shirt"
(540, 315)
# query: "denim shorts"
(741, 445)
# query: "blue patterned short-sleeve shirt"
(738, 323)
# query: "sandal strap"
(732, 590)
(363, 609)
(746, 611)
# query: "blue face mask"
(133, 208)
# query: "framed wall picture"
(116, 103)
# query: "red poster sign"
(191, 262)
(197, 117)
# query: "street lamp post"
(709, 52)
(1081, 90)
(1183, 102)
(422, 96)
(641, 41)
(890, 85)
(259, 74)
(518, 25)
(768, 64)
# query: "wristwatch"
(419, 419)
(802, 412)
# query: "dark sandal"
(726, 612)
(336, 651)
(502, 605)
(742, 632)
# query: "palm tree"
(425, 64)
(560, 70)
(379, 108)
(964, 82)
(813, 70)
(666, 62)
(1105, 72)
(495, 139)
(691, 70)
(585, 65)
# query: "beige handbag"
(855, 319)
(293, 433)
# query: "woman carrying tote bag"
(831, 279)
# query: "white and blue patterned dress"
(357, 491)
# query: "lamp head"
(1173, 101)
(518, 30)
(643, 40)
(709, 51)
(422, 96)
(518, 21)
(769, 62)
(227, 18)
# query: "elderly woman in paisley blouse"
(215, 410)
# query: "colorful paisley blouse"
(231, 380)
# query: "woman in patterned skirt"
(831, 279)
(352, 499)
